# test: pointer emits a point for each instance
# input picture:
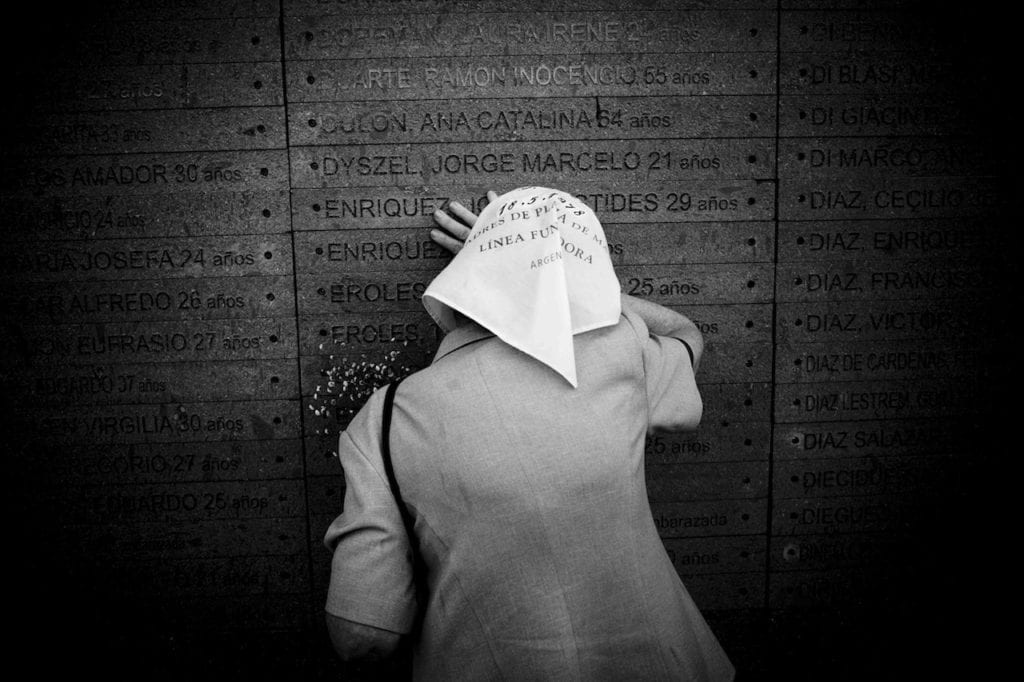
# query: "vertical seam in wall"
(295, 299)
(769, 508)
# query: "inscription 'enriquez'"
(373, 251)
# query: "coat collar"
(462, 335)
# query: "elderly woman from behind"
(531, 552)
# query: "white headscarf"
(534, 270)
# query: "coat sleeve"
(371, 568)
(674, 402)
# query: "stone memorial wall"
(216, 217)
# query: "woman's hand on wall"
(455, 229)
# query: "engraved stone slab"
(823, 552)
(195, 40)
(838, 515)
(152, 215)
(152, 341)
(727, 591)
(150, 174)
(861, 31)
(901, 198)
(872, 115)
(700, 481)
(544, 163)
(218, 577)
(889, 437)
(143, 300)
(530, 118)
(698, 556)
(164, 462)
(119, 132)
(712, 442)
(165, 423)
(331, 7)
(156, 382)
(840, 401)
(169, 86)
(891, 239)
(363, 208)
(929, 358)
(894, 156)
(869, 475)
(717, 517)
(889, 319)
(187, 540)
(885, 73)
(356, 36)
(146, 258)
(865, 281)
(552, 75)
(101, 505)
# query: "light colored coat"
(531, 513)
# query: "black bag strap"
(419, 575)
(385, 452)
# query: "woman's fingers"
(455, 229)
(462, 213)
(446, 241)
(452, 234)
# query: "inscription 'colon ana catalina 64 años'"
(490, 120)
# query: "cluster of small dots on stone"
(348, 383)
